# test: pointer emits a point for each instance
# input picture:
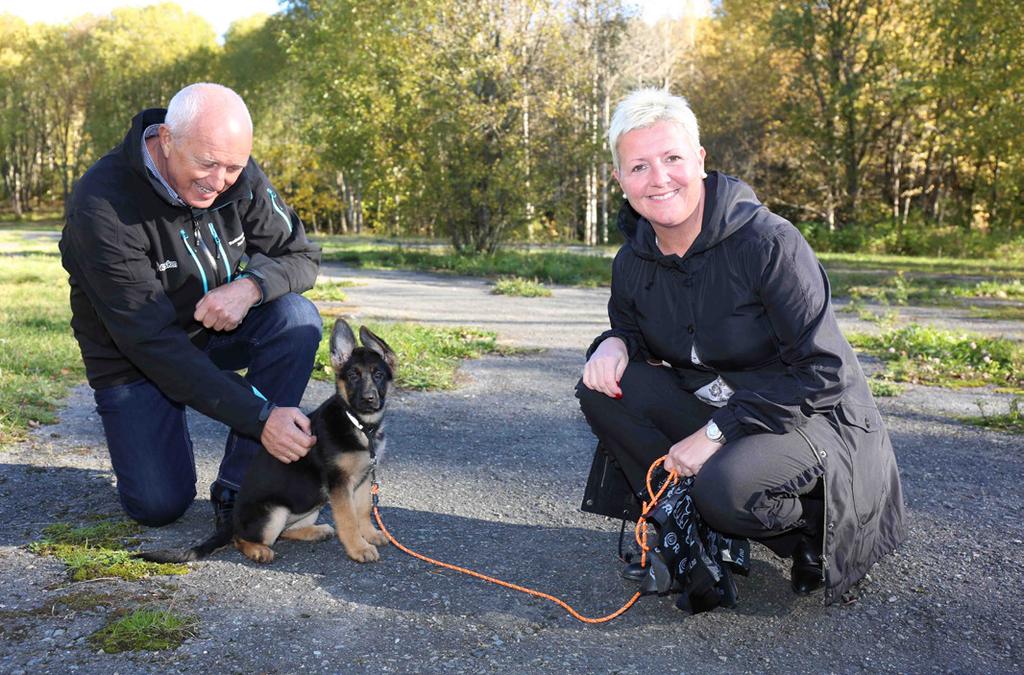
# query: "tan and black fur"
(282, 501)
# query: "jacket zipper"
(280, 212)
(195, 258)
(220, 251)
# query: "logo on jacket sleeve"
(167, 265)
(237, 241)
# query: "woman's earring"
(703, 173)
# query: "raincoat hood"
(729, 205)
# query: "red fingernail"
(619, 395)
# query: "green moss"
(103, 534)
(145, 629)
(97, 551)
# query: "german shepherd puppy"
(278, 500)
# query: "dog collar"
(354, 420)
(369, 430)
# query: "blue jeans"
(147, 434)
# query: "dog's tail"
(222, 537)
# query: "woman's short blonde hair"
(643, 108)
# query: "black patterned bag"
(688, 557)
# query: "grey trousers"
(763, 487)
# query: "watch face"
(713, 432)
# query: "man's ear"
(164, 135)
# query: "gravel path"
(490, 476)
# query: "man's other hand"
(223, 308)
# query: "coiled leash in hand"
(640, 533)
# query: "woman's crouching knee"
(720, 504)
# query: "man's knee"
(158, 508)
(299, 321)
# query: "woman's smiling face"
(661, 172)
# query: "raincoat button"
(822, 454)
(832, 526)
(689, 329)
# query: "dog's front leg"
(364, 507)
(347, 526)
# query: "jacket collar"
(729, 204)
(132, 151)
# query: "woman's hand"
(688, 455)
(605, 367)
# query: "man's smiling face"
(207, 158)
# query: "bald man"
(186, 266)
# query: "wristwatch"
(714, 433)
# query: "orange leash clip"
(640, 533)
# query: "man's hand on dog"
(224, 307)
(605, 367)
(287, 434)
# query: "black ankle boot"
(223, 501)
(807, 575)
(634, 571)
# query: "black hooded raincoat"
(753, 300)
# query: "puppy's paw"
(364, 554)
(324, 532)
(374, 536)
(255, 552)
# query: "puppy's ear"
(376, 344)
(343, 341)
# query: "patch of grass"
(97, 551)
(836, 262)
(103, 534)
(550, 267)
(51, 220)
(329, 290)
(931, 356)
(1011, 422)
(145, 629)
(884, 388)
(901, 287)
(428, 356)
(39, 359)
(524, 288)
(999, 313)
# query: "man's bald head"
(205, 142)
(202, 101)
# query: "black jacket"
(140, 261)
(752, 298)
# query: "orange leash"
(640, 537)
